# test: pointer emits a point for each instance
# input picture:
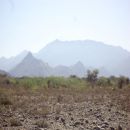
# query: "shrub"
(92, 76)
(15, 122)
(59, 98)
(42, 124)
(73, 76)
(42, 111)
(122, 81)
(4, 100)
(103, 81)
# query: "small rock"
(119, 127)
(71, 118)
(105, 125)
(96, 128)
(56, 118)
(86, 121)
(77, 124)
(111, 128)
(63, 121)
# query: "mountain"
(30, 66)
(70, 58)
(2, 72)
(61, 70)
(91, 53)
(124, 67)
(78, 69)
(7, 64)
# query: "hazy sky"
(31, 24)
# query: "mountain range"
(2, 72)
(65, 58)
(8, 63)
(33, 67)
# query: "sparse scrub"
(15, 122)
(92, 76)
(104, 82)
(40, 111)
(59, 98)
(42, 124)
(35, 104)
(122, 81)
(4, 99)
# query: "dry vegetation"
(63, 104)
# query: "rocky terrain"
(64, 109)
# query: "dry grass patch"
(42, 124)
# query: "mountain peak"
(57, 40)
(29, 57)
(79, 64)
(29, 54)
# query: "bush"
(92, 76)
(15, 122)
(122, 81)
(4, 100)
(42, 124)
(42, 111)
(103, 81)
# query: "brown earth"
(64, 109)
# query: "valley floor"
(62, 108)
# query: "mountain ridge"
(62, 56)
(32, 67)
(7, 64)
(85, 52)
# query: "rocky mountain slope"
(91, 53)
(8, 63)
(64, 58)
(32, 67)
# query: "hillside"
(31, 66)
(8, 63)
(65, 58)
(91, 53)
(2, 72)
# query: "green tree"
(123, 81)
(92, 76)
